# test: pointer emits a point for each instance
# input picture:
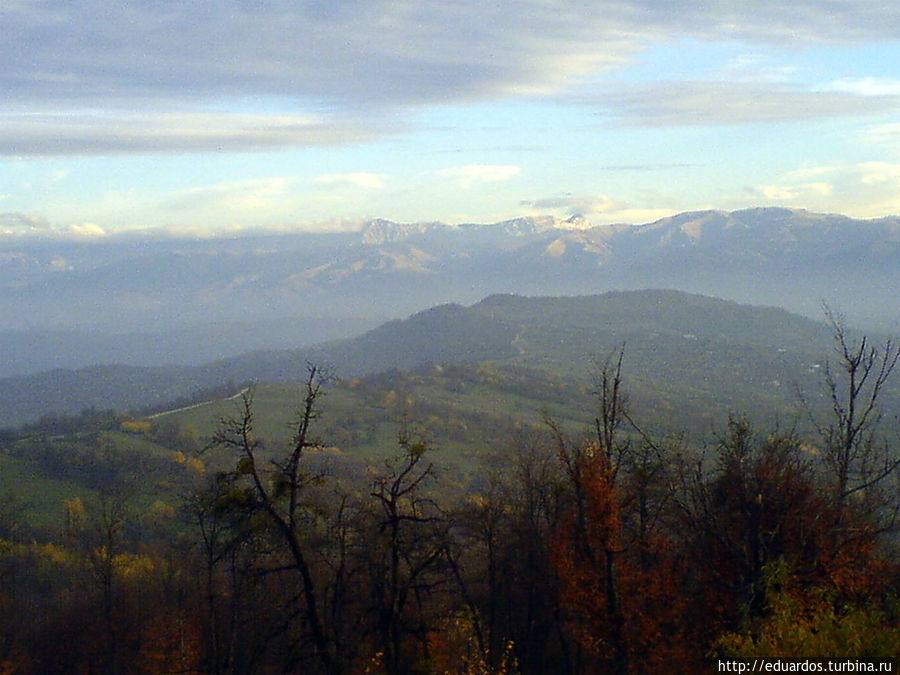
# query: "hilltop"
(689, 353)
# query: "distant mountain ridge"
(146, 288)
(764, 227)
(380, 231)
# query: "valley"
(483, 456)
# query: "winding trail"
(196, 405)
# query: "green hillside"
(679, 346)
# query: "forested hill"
(679, 346)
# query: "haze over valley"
(145, 300)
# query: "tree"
(101, 535)
(411, 548)
(617, 569)
(507, 531)
(803, 621)
(227, 545)
(480, 526)
(277, 489)
(853, 453)
(13, 518)
(755, 504)
(862, 468)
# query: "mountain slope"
(682, 350)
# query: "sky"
(220, 116)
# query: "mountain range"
(142, 300)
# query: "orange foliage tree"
(619, 573)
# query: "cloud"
(95, 55)
(642, 168)
(86, 230)
(113, 132)
(774, 22)
(380, 52)
(254, 195)
(863, 190)
(573, 205)
(598, 209)
(863, 172)
(884, 136)
(474, 174)
(867, 86)
(95, 62)
(872, 173)
(270, 203)
(663, 104)
(754, 68)
(363, 180)
(796, 193)
(22, 223)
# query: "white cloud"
(255, 195)
(363, 180)
(796, 193)
(863, 190)
(823, 189)
(576, 205)
(19, 225)
(866, 86)
(474, 174)
(873, 173)
(112, 132)
(22, 223)
(778, 193)
(598, 209)
(701, 103)
(864, 172)
(639, 215)
(86, 230)
(753, 67)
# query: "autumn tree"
(410, 550)
(504, 533)
(616, 565)
(750, 505)
(817, 510)
(276, 488)
(854, 454)
(227, 543)
(99, 534)
(594, 538)
(803, 621)
(481, 528)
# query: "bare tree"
(410, 536)
(277, 489)
(856, 456)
